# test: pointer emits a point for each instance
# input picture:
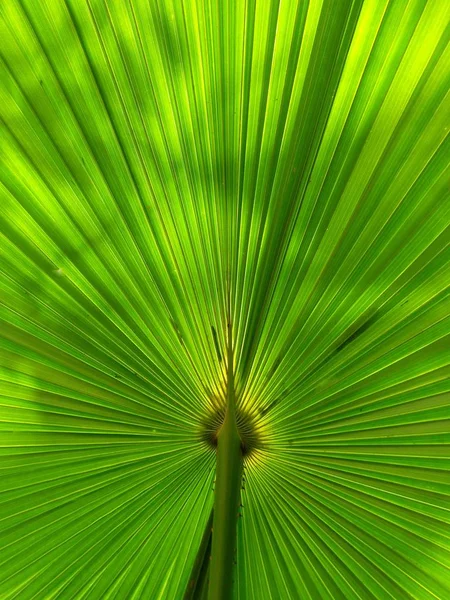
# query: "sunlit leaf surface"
(161, 161)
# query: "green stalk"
(227, 494)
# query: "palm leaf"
(168, 167)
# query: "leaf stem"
(227, 493)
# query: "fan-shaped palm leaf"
(171, 167)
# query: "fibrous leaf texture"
(170, 167)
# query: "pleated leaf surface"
(168, 166)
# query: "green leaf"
(167, 168)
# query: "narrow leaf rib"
(227, 494)
(198, 581)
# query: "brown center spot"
(249, 426)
